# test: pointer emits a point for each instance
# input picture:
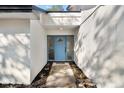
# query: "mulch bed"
(82, 81)
(14, 86)
(40, 80)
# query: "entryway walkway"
(62, 75)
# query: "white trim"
(17, 16)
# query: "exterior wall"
(59, 32)
(38, 48)
(14, 51)
(80, 7)
(84, 7)
(60, 19)
(19, 15)
(99, 46)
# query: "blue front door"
(60, 47)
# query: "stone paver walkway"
(61, 75)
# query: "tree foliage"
(56, 8)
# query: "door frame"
(65, 53)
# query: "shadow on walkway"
(61, 76)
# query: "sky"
(45, 7)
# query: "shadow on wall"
(14, 58)
(60, 20)
(99, 49)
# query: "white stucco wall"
(84, 7)
(14, 51)
(80, 7)
(38, 48)
(59, 32)
(99, 46)
(60, 19)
